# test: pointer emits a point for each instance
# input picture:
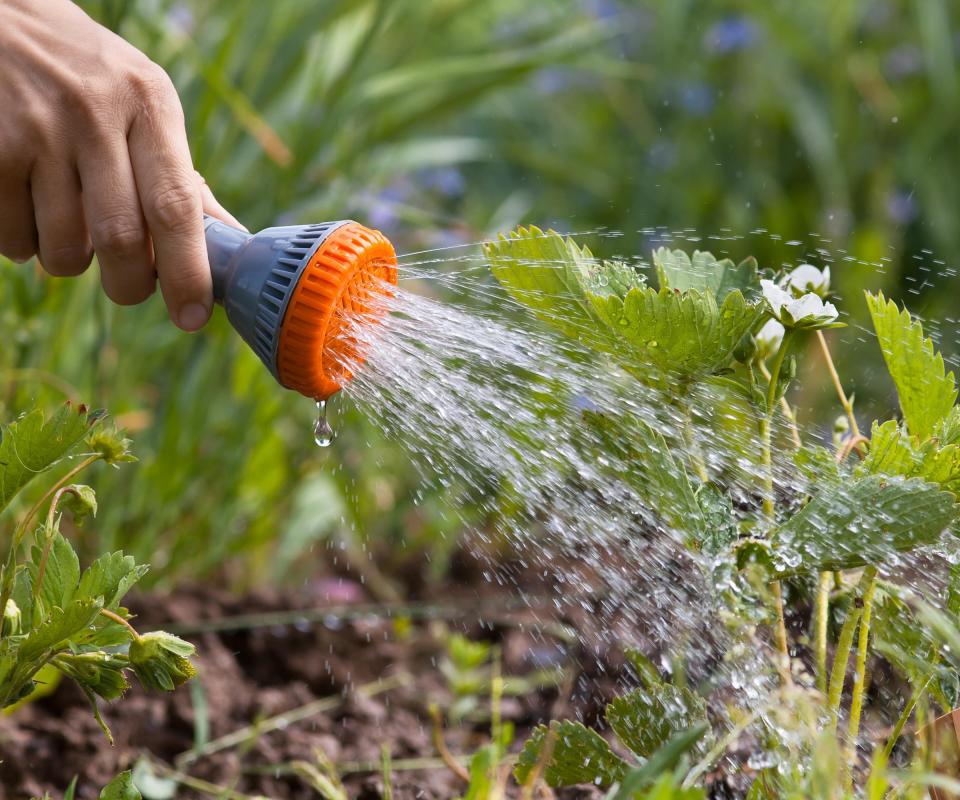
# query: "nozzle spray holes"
(323, 434)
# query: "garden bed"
(374, 669)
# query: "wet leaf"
(926, 390)
(862, 521)
(647, 718)
(543, 271)
(666, 758)
(684, 334)
(703, 272)
(578, 755)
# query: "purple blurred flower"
(696, 98)
(731, 34)
(902, 207)
(662, 155)
(903, 62)
(382, 212)
(603, 9)
(449, 181)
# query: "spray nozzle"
(290, 291)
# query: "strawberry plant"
(785, 524)
(56, 615)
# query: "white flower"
(808, 311)
(769, 338)
(807, 278)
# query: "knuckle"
(65, 259)
(175, 209)
(119, 236)
(153, 89)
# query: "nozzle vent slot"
(277, 289)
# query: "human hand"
(94, 158)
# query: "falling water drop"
(323, 434)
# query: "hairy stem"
(835, 377)
(10, 566)
(769, 506)
(839, 671)
(863, 642)
(904, 717)
(120, 620)
(821, 618)
(787, 410)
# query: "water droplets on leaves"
(323, 434)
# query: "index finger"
(173, 209)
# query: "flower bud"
(162, 660)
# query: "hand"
(94, 157)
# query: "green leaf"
(578, 755)
(646, 718)
(682, 334)
(863, 521)
(665, 759)
(543, 271)
(33, 444)
(110, 577)
(893, 451)
(59, 628)
(703, 272)
(120, 788)
(61, 570)
(926, 390)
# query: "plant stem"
(904, 716)
(863, 642)
(782, 645)
(21, 529)
(693, 448)
(766, 427)
(821, 618)
(769, 506)
(118, 619)
(839, 671)
(835, 377)
(787, 410)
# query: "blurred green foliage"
(442, 122)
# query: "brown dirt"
(259, 668)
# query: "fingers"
(117, 228)
(212, 206)
(64, 247)
(172, 205)
(18, 232)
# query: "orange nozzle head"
(342, 280)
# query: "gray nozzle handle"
(223, 243)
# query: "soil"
(270, 661)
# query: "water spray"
(292, 291)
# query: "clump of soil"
(272, 662)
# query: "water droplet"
(624, 322)
(323, 434)
(652, 343)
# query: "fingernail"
(193, 317)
